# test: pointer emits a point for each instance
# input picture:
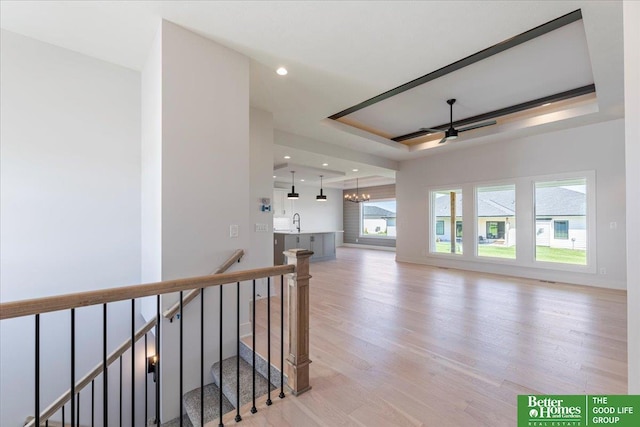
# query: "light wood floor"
(397, 344)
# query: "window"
(561, 221)
(446, 236)
(561, 230)
(378, 219)
(496, 217)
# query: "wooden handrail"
(93, 374)
(171, 312)
(9, 310)
(297, 362)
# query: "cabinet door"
(304, 241)
(282, 207)
(329, 244)
(297, 241)
(290, 242)
(317, 245)
(279, 196)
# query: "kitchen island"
(321, 242)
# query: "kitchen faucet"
(296, 215)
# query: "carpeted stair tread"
(186, 422)
(229, 382)
(211, 404)
(261, 364)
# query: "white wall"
(316, 215)
(632, 137)
(261, 172)
(70, 207)
(598, 147)
(151, 166)
(205, 166)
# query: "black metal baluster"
(269, 341)
(146, 382)
(157, 366)
(181, 360)
(238, 417)
(73, 367)
(120, 392)
(93, 396)
(281, 395)
(253, 348)
(221, 424)
(37, 357)
(133, 362)
(105, 379)
(202, 356)
(78, 412)
(63, 415)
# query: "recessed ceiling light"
(325, 164)
(287, 157)
(274, 176)
(354, 170)
(282, 71)
(302, 180)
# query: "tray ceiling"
(554, 62)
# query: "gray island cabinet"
(323, 244)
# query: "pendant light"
(321, 197)
(357, 198)
(293, 195)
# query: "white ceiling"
(552, 63)
(338, 54)
(338, 173)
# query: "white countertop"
(303, 231)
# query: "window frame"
(591, 221)
(496, 185)
(361, 235)
(431, 196)
(525, 260)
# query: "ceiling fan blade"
(476, 126)
(443, 140)
(431, 130)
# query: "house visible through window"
(561, 221)
(378, 219)
(447, 237)
(496, 219)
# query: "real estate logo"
(578, 411)
(555, 411)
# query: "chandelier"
(357, 198)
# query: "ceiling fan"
(452, 133)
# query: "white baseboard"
(378, 248)
(583, 279)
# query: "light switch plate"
(262, 227)
(233, 230)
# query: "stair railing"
(62, 400)
(171, 312)
(297, 271)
